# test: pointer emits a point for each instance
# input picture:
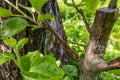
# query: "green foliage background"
(78, 36)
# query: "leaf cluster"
(33, 65)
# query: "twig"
(63, 43)
(66, 46)
(25, 15)
(83, 16)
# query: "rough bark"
(40, 39)
(46, 41)
(95, 50)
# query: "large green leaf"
(27, 59)
(36, 67)
(47, 66)
(38, 4)
(21, 43)
(10, 42)
(34, 76)
(4, 12)
(13, 26)
(6, 56)
(45, 16)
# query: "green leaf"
(38, 4)
(10, 42)
(91, 5)
(45, 16)
(21, 43)
(34, 76)
(36, 67)
(30, 9)
(6, 56)
(47, 66)
(71, 70)
(4, 12)
(34, 28)
(27, 59)
(13, 26)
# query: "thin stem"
(18, 58)
(66, 46)
(17, 54)
(83, 16)
(16, 3)
(33, 17)
(16, 15)
(16, 62)
(25, 15)
(32, 25)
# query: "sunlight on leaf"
(38, 4)
(6, 56)
(45, 16)
(13, 26)
(4, 12)
(21, 43)
(38, 67)
(10, 42)
(92, 4)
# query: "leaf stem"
(83, 16)
(16, 15)
(18, 57)
(25, 15)
(17, 3)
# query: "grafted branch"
(109, 65)
(80, 10)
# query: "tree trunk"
(95, 49)
(40, 39)
(46, 42)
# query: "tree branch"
(66, 46)
(113, 4)
(110, 65)
(83, 16)
(113, 64)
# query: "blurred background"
(77, 35)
